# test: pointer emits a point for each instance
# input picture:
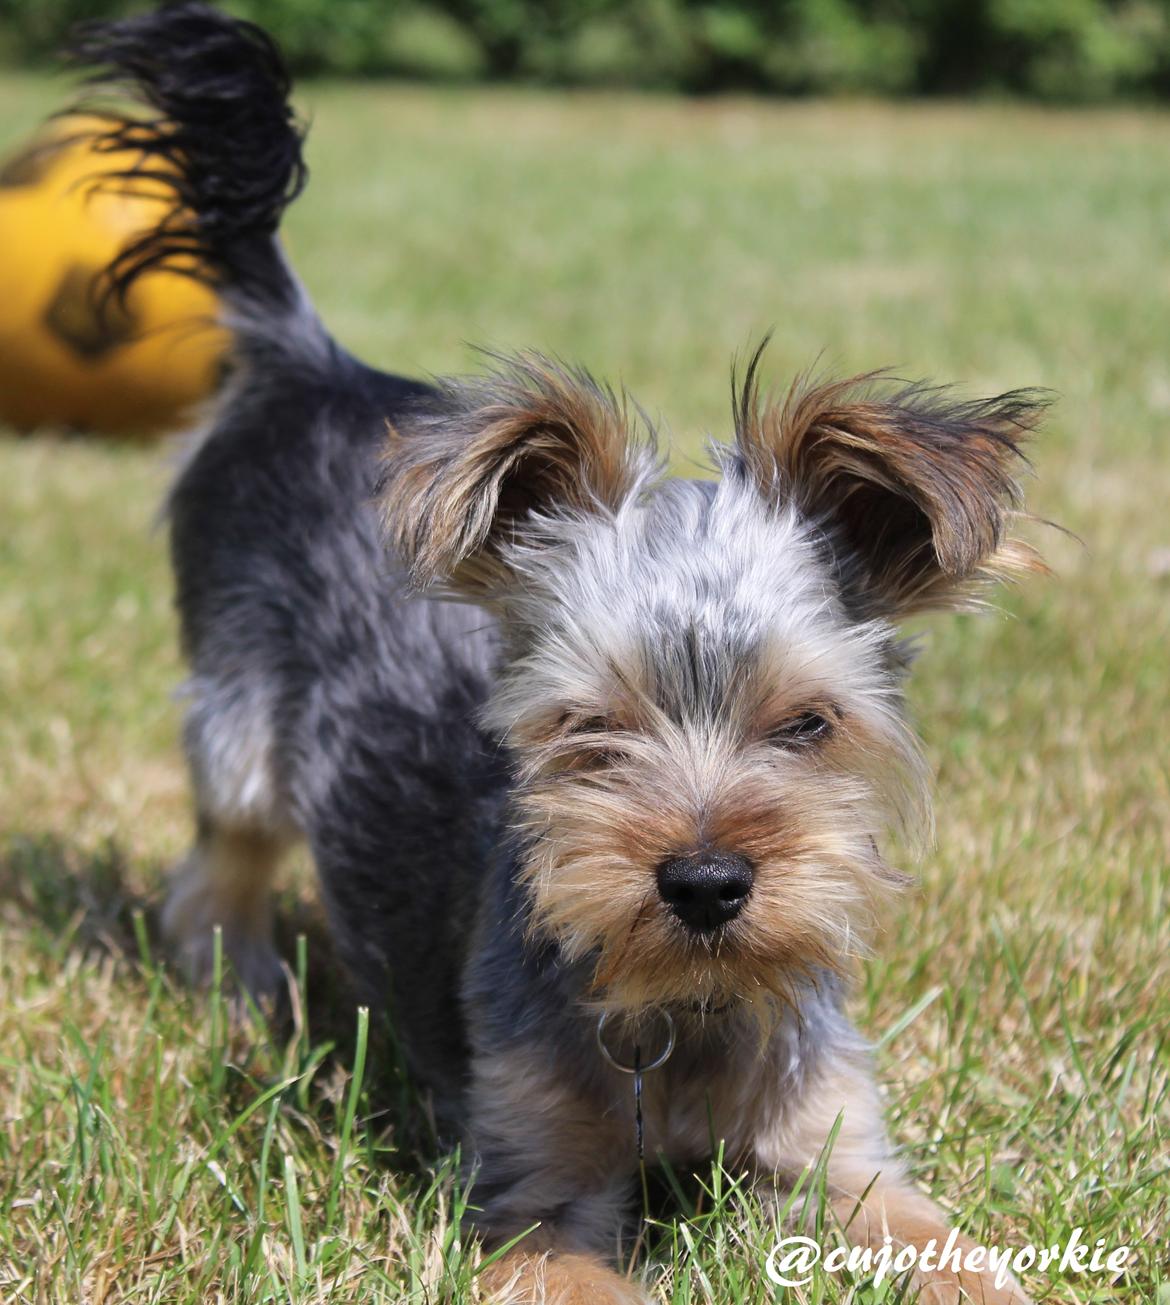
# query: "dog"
(594, 763)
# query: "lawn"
(1019, 996)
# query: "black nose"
(705, 889)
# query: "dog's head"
(701, 687)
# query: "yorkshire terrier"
(605, 795)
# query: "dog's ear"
(484, 461)
(914, 487)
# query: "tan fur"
(912, 1220)
(574, 1164)
(868, 1191)
(897, 500)
(646, 647)
(578, 1161)
(806, 826)
(537, 435)
(532, 1278)
(226, 880)
(922, 486)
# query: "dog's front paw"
(896, 1216)
(524, 1278)
(944, 1287)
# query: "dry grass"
(1021, 998)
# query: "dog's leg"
(244, 827)
(226, 880)
(550, 1161)
(868, 1192)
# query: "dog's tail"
(200, 100)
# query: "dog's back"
(322, 697)
(699, 692)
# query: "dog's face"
(702, 684)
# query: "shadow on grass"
(69, 901)
(72, 901)
(80, 901)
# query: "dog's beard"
(593, 844)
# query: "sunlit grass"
(147, 1152)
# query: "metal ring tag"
(637, 1068)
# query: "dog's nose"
(705, 889)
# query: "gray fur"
(618, 650)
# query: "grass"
(1020, 998)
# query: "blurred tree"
(1051, 49)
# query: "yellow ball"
(135, 369)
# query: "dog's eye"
(804, 727)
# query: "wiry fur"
(639, 668)
(642, 719)
(915, 486)
(486, 452)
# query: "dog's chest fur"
(725, 1083)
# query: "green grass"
(150, 1152)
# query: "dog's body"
(332, 727)
(638, 769)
